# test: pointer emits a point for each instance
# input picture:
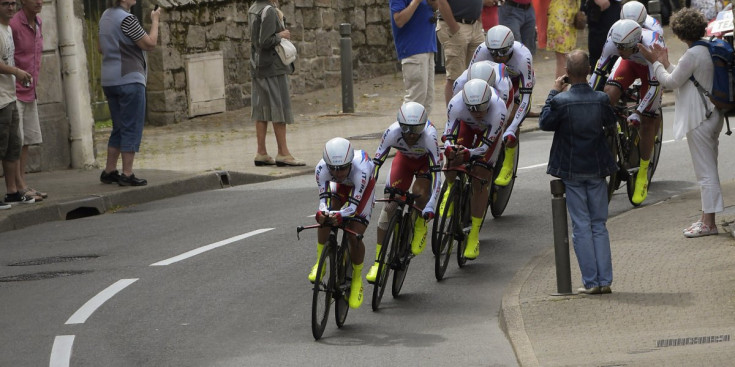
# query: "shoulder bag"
(286, 50)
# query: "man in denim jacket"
(581, 157)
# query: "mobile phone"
(566, 79)
(155, 7)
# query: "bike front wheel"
(323, 291)
(464, 223)
(403, 255)
(657, 143)
(342, 275)
(443, 235)
(613, 181)
(385, 259)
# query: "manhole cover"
(42, 275)
(54, 260)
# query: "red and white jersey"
(653, 24)
(492, 124)
(360, 175)
(520, 70)
(427, 147)
(609, 53)
(503, 85)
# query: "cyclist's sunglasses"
(412, 129)
(339, 168)
(501, 52)
(482, 107)
(624, 46)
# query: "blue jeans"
(127, 109)
(522, 23)
(587, 206)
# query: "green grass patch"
(104, 124)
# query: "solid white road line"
(206, 248)
(61, 351)
(95, 302)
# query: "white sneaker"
(4, 205)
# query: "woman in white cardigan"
(690, 113)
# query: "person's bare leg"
(261, 128)
(561, 64)
(10, 168)
(127, 163)
(279, 129)
(20, 180)
(113, 155)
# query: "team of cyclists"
(498, 83)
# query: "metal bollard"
(561, 239)
(345, 49)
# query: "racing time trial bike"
(395, 254)
(334, 276)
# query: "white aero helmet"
(484, 70)
(635, 11)
(338, 153)
(499, 40)
(412, 118)
(625, 33)
(476, 95)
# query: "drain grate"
(691, 341)
(42, 275)
(54, 260)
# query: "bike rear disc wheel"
(403, 254)
(322, 293)
(343, 281)
(444, 227)
(385, 259)
(500, 195)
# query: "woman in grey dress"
(270, 90)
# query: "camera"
(566, 79)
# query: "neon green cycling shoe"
(641, 184)
(372, 274)
(356, 298)
(506, 173)
(472, 250)
(312, 274)
(419, 236)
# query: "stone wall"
(198, 26)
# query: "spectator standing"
(460, 32)
(519, 16)
(489, 14)
(691, 113)
(271, 99)
(28, 40)
(123, 43)
(10, 141)
(412, 22)
(541, 11)
(601, 15)
(581, 157)
(562, 36)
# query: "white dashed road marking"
(61, 351)
(95, 302)
(206, 248)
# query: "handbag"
(580, 20)
(286, 50)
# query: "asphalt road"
(136, 295)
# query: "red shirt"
(28, 49)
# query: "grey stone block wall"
(197, 26)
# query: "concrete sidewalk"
(668, 290)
